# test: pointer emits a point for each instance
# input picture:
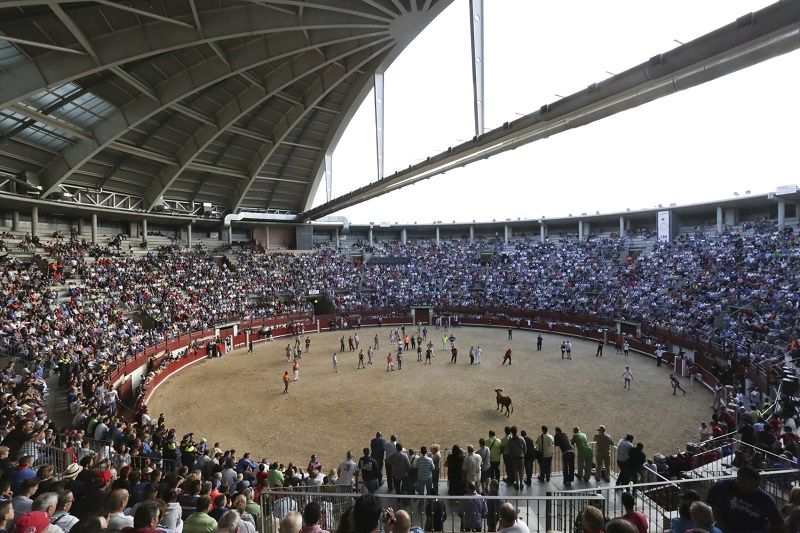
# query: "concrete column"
(720, 220)
(229, 231)
(404, 235)
(437, 235)
(505, 234)
(781, 214)
(133, 229)
(370, 234)
(81, 226)
(587, 229)
(268, 239)
(188, 235)
(144, 230)
(34, 221)
(542, 232)
(622, 225)
(336, 236)
(472, 234)
(94, 228)
(580, 230)
(15, 220)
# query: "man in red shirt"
(639, 520)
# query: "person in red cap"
(33, 522)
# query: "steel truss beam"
(756, 37)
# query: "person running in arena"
(454, 356)
(376, 341)
(288, 352)
(628, 377)
(507, 356)
(563, 348)
(539, 343)
(360, 360)
(295, 371)
(626, 348)
(286, 382)
(478, 354)
(389, 362)
(371, 352)
(569, 349)
(676, 385)
(308, 344)
(428, 354)
(335, 362)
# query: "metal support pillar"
(781, 214)
(542, 232)
(404, 235)
(229, 231)
(437, 235)
(580, 230)
(15, 220)
(144, 230)
(268, 239)
(188, 235)
(336, 237)
(472, 234)
(476, 31)
(370, 234)
(622, 225)
(328, 177)
(94, 228)
(34, 221)
(505, 234)
(379, 121)
(720, 220)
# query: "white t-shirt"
(518, 527)
(347, 470)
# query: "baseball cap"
(33, 522)
(103, 476)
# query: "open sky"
(734, 134)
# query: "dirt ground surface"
(238, 400)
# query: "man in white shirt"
(472, 466)
(116, 503)
(508, 522)
(347, 470)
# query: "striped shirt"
(424, 468)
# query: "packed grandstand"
(78, 311)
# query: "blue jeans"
(545, 464)
(424, 486)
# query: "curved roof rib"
(230, 101)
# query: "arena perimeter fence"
(660, 501)
(558, 510)
(433, 513)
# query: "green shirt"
(275, 478)
(582, 444)
(493, 443)
(254, 509)
(199, 523)
(503, 443)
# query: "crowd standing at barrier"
(84, 335)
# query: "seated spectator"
(741, 506)
(312, 514)
(200, 521)
(509, 522)
(639, 520)
(683, 522)
(703, 516)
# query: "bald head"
(508, 515)
(402, 522)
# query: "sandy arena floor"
(238, 401)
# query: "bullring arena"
(172, 233)
(327, 413)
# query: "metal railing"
(659, 501)
(434, 513)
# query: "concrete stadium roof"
(232, 102)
